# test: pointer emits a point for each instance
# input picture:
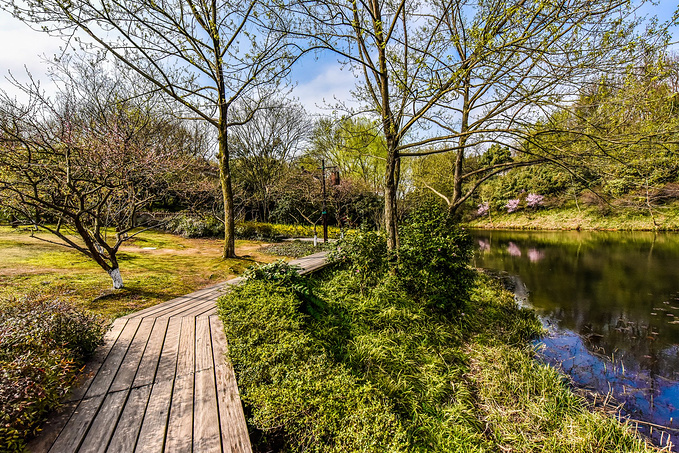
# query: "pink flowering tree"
(512, 205)
(534, 200)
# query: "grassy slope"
(585, 218)
(155, 267)
(382, 373)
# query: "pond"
(610, 303)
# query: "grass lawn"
(155, 267)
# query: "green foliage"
(296, 396)
(433, 259)
(43, 343)
(365, 254)
(195, 227)
(298, 248)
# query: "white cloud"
(24, 49)
(328, 85)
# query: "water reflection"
(611, 301)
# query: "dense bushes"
(194, 227)
(43, 343)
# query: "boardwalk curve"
(160, 383)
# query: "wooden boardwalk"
(160, 383)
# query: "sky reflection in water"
(611, 304)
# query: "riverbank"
(583, 218)
(352, 359)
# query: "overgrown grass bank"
(585, 218)
(363, 358)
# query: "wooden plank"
(154, 427)
(104, 423)
(169, 311)
(180, 424)
(234, 430)
(187, 347)
(203, 344)
(150, 310)
(167, 365)
(125, 436)
(73, 433)
(108, 370)
(196, 310)
(190, 298)
(191, 310)
(233, 427)
(206, 429)
(130, 364)
(92, 367)
(149, 361)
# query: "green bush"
(43, 343)
(434, 259)
(196, 227)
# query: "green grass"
(155, 267)
(332, 369)
(585, 218)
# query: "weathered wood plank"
(234, 430)
(149, 361)
(124, 438)
(204, 358)
(167, 365)
(233, 427)
(154, 427)
(107, 372)
(187, 347)
(104, 423)
(180, 424)
(130, 364)
(73, 433)
(206, 432)
(52, 428)
(155, 308)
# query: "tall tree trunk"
(390, 191)
(459, 159)
(229, 250)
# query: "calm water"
(610, 302)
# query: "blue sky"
(318, 82)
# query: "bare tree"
(459, 75)
(82, 168)
(264, 147)
(202, 55)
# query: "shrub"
(512, 205)
(43, 343)
(196, 227)
(365, 254)
(433, 259)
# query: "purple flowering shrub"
(484, 208)
(534, 200)
(512, 205)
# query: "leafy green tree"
(354, 145)
(458, 76)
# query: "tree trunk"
(229, 250)
(117, 279)
(390, 191)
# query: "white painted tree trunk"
(116, 277)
